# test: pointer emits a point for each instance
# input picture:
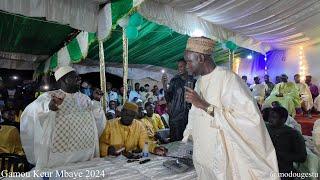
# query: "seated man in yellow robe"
(10, 140)
(8, 116)
(152, 118)
(305, 94)
(287, 94)
(153, 124)
(125, 132)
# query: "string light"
(236, 65)
(302, 65)
(265, 64)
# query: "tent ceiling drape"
(26, 40)
(79, 14)
(135, 71)
(156, 44)
(252, 24)
(19, 34)
(86, 15)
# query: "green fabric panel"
(74, 50)
(119, 8)
(31, 35)
(156, 45)
(91, 37)
(221, 55)
(54, 61)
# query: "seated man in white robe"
(316, 104)
(62, 126)
(305, 94)
(258, 90)
(230, 139)
(316, 134)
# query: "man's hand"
(112, 151)
(97, 94)
(55, 102)
(192, 97)
(279, 95)
(160, 151)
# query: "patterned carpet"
(307, 123)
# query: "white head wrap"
(62, 71)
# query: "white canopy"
(252, 24)
(79, 14)
(135, 71)
(20, 61)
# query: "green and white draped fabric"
(74, 52)
(77, 49)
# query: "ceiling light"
(15, 77)
(46, 87)
(197, 33)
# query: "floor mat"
(307, 123)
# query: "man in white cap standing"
(230, 139)
(62, 126)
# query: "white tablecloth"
(117, 168)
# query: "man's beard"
(126, 122)
(73, 89)
(182, 73)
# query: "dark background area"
(92, 78)
(7, 74)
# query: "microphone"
(189, 84)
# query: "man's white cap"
(62, 71)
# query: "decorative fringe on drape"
(102, 75)
(125, 64)
(230, 60)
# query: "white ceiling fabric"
(20, 61)
(135, 71)
(79, 14)
(253, 24)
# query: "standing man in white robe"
(62, 126)
(230, 139)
